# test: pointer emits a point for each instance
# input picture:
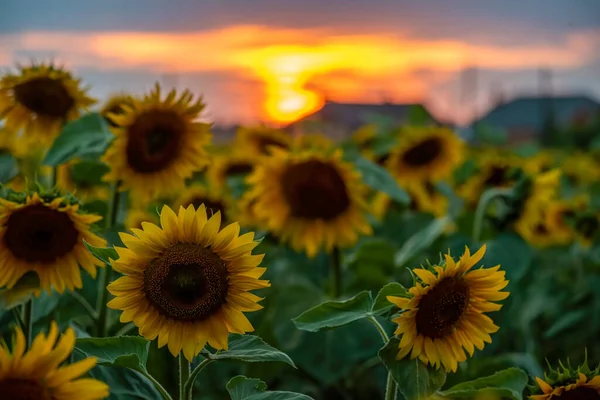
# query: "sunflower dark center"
(238, 169)
(45, 96)
(541, 229)
(188, 282)
(265, 142)
(37, 233)
(579, 393)
(423, 153)
(23, 389)
(587, 226)
(155, 141)
(496, 176)
(314, 190)
(212, 206)
(381, 160)
(442, 308)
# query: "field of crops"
(139, 260)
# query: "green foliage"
(506, 384)
(420, 241)
(102, 253)
(124, 351)
(21, 292)
(250, 348)
(8, 167)
(415, 380)
(86, 137)
(243, 388)
(380, 179)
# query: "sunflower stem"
(184, 376)
(484, 201)
(88, 307)
(189, 384)
(54, 177)
(28, 321)
(336, 273)
(105, 273)
(158, 386)
(390, 386)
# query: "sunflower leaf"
(332, 314)
(421, 241)
(21, 292)
(8, 167)
(505, 384)
(382, 304)
(251, 348)
(379, 178)
(123, 351)
(84, 137)
(102, 253)
(416, 381)
(243, 388)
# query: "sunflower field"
(142, 259)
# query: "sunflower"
(425, 153)
(580, 169)
(68, 180)
(39, 100)
(114, 106)
(541, 162)
(258, 140)
(567, 383)
(45, 234)
(136, 216)
(424, 197)
(157, 145)
(446, 311)
(312, 141)
(40, 374)
(225, 166)
(198, 194)
(493, 172)
(187, 283)
(310, 199)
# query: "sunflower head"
(225, 166)
(568, 383)
(425, 197)
(444, 314)
(40, 373)
(258, 140)
(310, 199)
(197, 195)
(187, 283)
(75, 177)
(44, 233)
(158, 144)
(39, 99)
(425, 153)
(312, 141)
(114, 106)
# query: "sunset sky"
(275, 60)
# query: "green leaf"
(125, 384)
(251, 348)
(102, 253)
(8, 167)
(379, 178)
(421, 241)
(86, 136)
(381, 304)
(332, 314)
(21, 292)
(243, 388)
(418, 116)
(123, 351)
(415, 380)
(565, 322)
(512, 253)
(505, 384)
(88, 172)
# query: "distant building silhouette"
(340, 120)
(527, 119)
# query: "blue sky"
(563, 35)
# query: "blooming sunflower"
(244, 212)
(40, 373)
(45, 234)
(312, 141)
(493, 172)
(310, 199)
(39, 100)
(567, 383)
(197, 194)
(135, 218)
(225, 165)
(114, 106)
(258, 140)
(157, 145)
(68, 179)
(424, 197)
(187, 283)
(425, 153)
(446, 311)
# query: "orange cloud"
(292, 62)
